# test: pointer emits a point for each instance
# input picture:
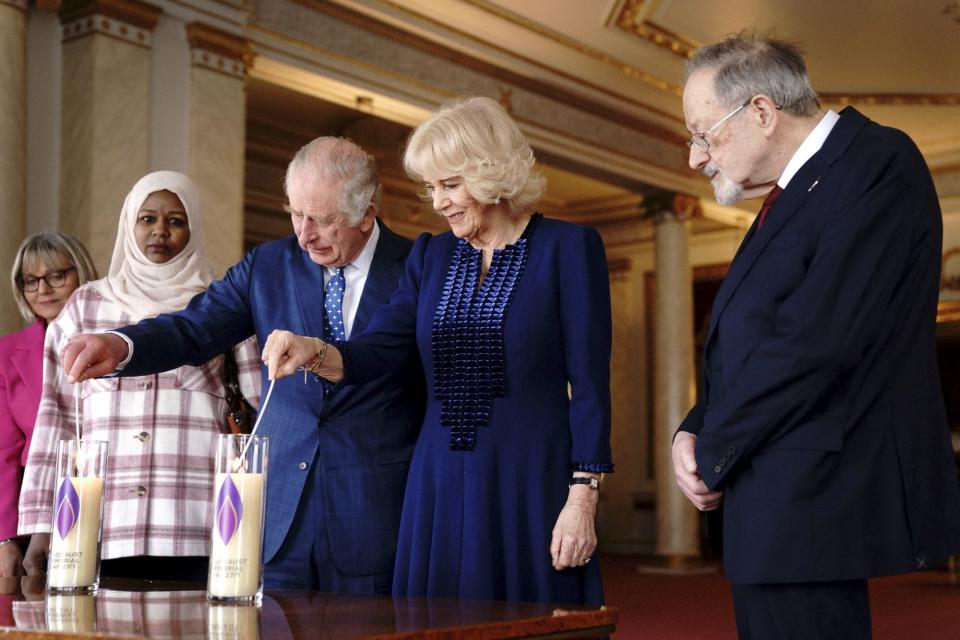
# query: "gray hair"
(748, 65)
(47, 247)
(342, 159)
(477, 140)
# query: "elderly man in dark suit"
(338, 455)
(822, 430)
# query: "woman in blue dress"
(510, 315)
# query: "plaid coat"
(161, 431)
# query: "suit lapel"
(790, 202)
(382, 278)
(27, 359)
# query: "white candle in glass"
(237, 535)
(74, 558)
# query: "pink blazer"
(21, 376)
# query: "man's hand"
(688, 478)
(35, 559)
(91, 355)
(11, 560)
(285, 351)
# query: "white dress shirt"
(810, 146)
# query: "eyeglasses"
(54, 280)
(699, 140)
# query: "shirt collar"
(810, 146)
(365, 258)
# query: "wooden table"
(150, 609)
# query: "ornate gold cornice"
(531, 84)
(20, 5)
(630, 19)
(579, 47)
(948, 312)
(218, 50)
(899, 99)
(132, 21)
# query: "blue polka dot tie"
(333, 328)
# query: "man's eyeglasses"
(699, 140)
(54, 280)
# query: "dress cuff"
(125, 361)
(592, 467)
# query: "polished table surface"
(152, 609)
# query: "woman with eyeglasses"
(48, 267)
(161, 429)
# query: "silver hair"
(748, 65)
(343, 159)
(45, 247)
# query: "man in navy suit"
(822, 431)
(338, 454)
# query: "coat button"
(303, 466)
(140, 490)
(718, 468)
(143, 436)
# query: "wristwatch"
(592, 482)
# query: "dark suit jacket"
(823, 420)
(362, 435)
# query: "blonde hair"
(475, 139)
(47, 247)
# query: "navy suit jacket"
(823, 420)
(362, 435)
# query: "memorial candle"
(236, 568)
(74, 560)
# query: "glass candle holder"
(233, 622)
(74, 613)
(74, 560)
(236, 565)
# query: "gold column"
(217, 137)
(106, 115)
(674, 382)
(13, 151)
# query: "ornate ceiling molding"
(16, 4)
(218, 50)
(631, 18)
(898, 99)
(532, 85)
(579, 47)
(456, 56)
(131, 21)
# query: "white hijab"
(144, 289)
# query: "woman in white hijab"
(160, 428)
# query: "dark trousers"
(304, 561)
(808, 611)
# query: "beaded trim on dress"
(468, 356)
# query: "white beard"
(725, 190)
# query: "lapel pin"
(815, 183)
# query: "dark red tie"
(768, 203)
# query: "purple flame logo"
(229, 509)
(68, 507)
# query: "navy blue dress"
(502, 430)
